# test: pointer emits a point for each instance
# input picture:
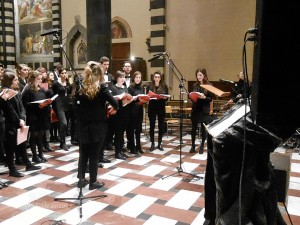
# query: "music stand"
(182, 91)
(78, 81)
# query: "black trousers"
(161, 124)
(194, 131)
(89, 153)
(10, 149)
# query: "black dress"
(36, 118)
(61, 106)
(200, 113)
(13, 113)
(157, 107)
(136, 112)
(120, 119)
(201, 108)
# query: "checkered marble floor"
(141, 190)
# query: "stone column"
(158, 33)
(98, 19)
(7, 34)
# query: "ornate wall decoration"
(82, 53)
(35, 18)
(120, 28)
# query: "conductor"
(91, 100)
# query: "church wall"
(208, 34)
(198, 34)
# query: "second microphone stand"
(182, 90)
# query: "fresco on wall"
(118, 30)
(33, 10)
(35, 18)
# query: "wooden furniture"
(216, 91)
(224, 86)
(170, 122)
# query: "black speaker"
(275, 95)
(281, 178)
(282, 167)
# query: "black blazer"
(110, 79)
(22, 84)
(136, 111)
(157, 107)
(201, 108)
(34, 114)
(92, 114)
(62, 102)
(13, 113)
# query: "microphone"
(160, 53)
(252, 30)
(156, 56)
(153, 58)
(229, 81)
(50, 32)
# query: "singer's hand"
(45, 103)
(230, 101)
(22, 123)
(42, 105)
(202, 96)
(4, 94)
(143, 101)
(111, 111)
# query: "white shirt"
(105, 77)
(127, 81)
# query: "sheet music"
(8, 93)
(216, 129)
(22, 134)
(43, 100)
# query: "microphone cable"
(246, 102)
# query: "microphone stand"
(145, 114)
(80, 195)
(182, 90)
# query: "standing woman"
(157, 108)
(136, 112)
(61, 104)
(14, 114)
(91, 99)
(54, 124)
(120, 120)
(45, 84)
(37, 115)
(200, 108)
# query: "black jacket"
(201, 108)
(14, 111)
(92, 114)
